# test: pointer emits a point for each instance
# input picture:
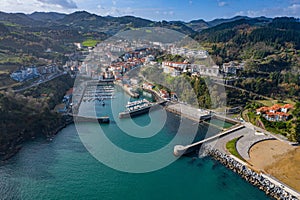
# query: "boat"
(139, 107)
(104, 120)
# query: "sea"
(67, 167)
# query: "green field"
(90, 43)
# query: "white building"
(206, 70)
(174, 68)
(232, 67)
(189, 52)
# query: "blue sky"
(185, 10)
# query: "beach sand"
(278, 159)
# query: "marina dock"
(92, 91)
(98, 93)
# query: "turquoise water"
(220, 123)
(63, 169)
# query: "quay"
(189, 112)
(102, 120)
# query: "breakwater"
(261, 181)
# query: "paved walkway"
(243, 144)
(249, 138)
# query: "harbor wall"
(270, 186)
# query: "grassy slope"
(231, 147)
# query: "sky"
(184, 10)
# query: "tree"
(297, 130)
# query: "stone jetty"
(259, 180)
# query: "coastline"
(127, 90)
(238, 168)
(13, 150)
(270, 186)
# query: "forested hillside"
(270, 50)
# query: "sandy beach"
(278, 159)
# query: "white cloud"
(222, 3)
(294, 1)
(68, 4)
(170, 13)
(293, 11)
(30, 6)
(113, 11)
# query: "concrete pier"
(189, 112)
(78, 118)
(181, 150)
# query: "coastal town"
(149, 100)
(116, 65)
(248, 134)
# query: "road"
(38, 83)
(243, 90)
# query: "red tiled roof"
(277, 113)
(275, 107)
(270, 114)
(288, 106)
(262, 109)
(282, 114)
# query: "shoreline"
(242, 145)
(237, 166)
(127, 90)
(262, 181)
(15, 149)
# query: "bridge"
(180, 150)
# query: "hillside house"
(275, 113)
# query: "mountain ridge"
(78, 19)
